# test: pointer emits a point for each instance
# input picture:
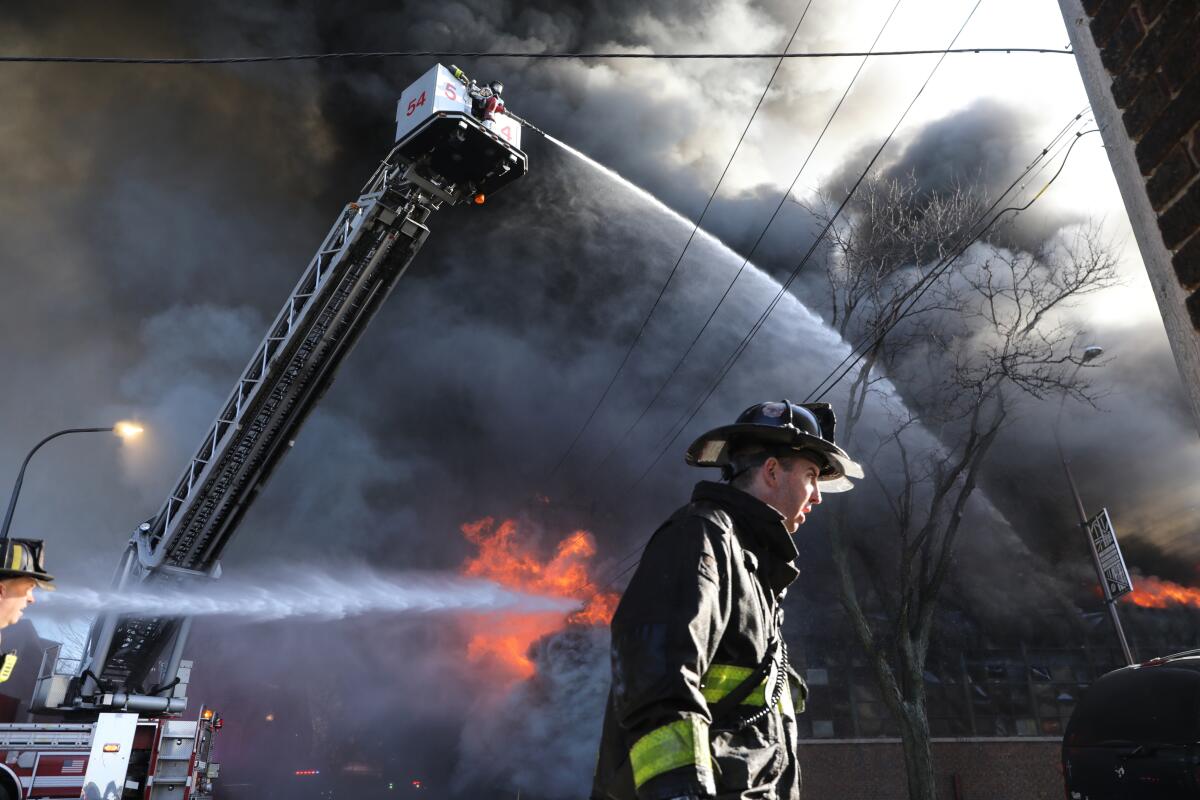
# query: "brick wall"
(1151, 48)
(967, 769)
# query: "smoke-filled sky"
(155, 217)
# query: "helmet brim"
(42, 579)
(713, 450)
(848, 468)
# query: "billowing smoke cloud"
(155, 218)
(551, 750)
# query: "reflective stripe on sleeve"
(721, 679)
(683, 743)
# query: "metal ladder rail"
(125, 649)
(295, 390)
(328, 254)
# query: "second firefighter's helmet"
(497, 88)
(24, 558)
(806, 428)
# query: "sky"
(154, 218)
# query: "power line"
(941, 269)
(1069, 145)
(106, 60)
(687, 417)
(762, 234)
(646, 321)
(738, 274)
(819, 391)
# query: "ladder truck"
(121, 702)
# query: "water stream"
(307, 592)
(675, 216)
(814, 344)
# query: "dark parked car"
(1136, 734)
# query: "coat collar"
(760, 528)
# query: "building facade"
(1141, 68)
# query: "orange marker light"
(112, 748)
(207, 713)
(479, 199)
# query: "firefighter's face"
(15, 594)
(794, 488)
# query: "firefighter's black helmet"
(497, 87)
(23, 558)
(806, 428)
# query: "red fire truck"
(121, 737)
(115, 757)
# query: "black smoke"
(154, 219)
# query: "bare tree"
(967, 341)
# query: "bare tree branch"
(967, 347)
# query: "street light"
(1090, 353)
(125, 430)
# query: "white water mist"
(793, 320)
(304, 592)
(675, 216)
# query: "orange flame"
(512, 560)
(1153, 592)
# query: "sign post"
(1106, 556)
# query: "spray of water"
(799, 323)
(724, 249)
(313, 593)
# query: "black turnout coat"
(700, 615)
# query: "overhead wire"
(674, 269)
(168, 61)
(686, 418)
(1056, 145)
(896, 319)
(119, 60)
(783, 288)
(745, 262)
(1025, 175)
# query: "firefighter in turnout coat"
(22, 570)
(703, 700)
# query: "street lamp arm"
(12, 501)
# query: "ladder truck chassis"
(117, 756)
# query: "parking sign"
(1104, 543)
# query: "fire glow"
(509, 557)
(1153, 592)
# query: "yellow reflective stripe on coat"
(721, 679)
(7, 662)
(683, 743)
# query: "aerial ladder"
(132, 677)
